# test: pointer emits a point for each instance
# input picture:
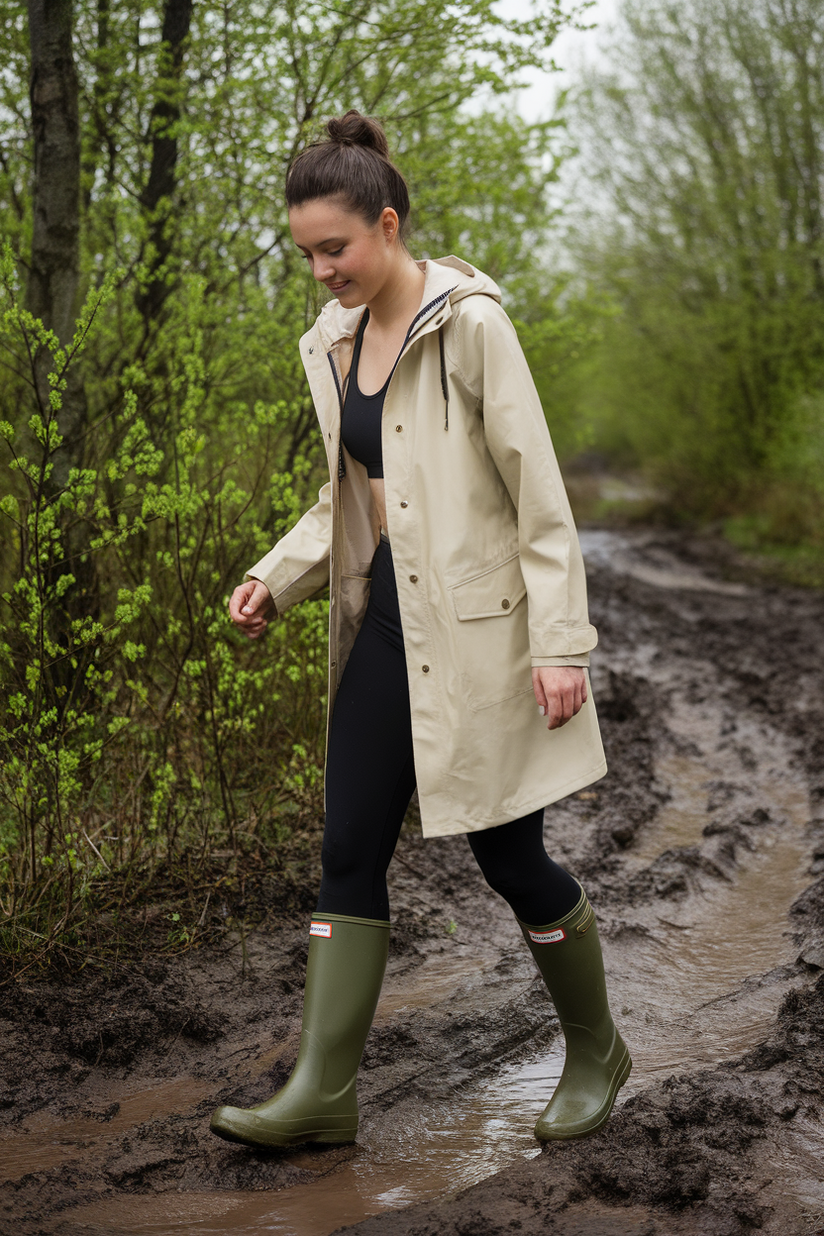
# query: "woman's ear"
(390, 224)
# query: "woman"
(457, 600)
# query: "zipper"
(422, 313)
(427, 311)
(341, 463)
(337, 526)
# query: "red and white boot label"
(547, 937)
(321, 929)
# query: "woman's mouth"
(337, 287)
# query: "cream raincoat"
(488, 567)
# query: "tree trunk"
(157, 196)
(52, 288)
(55, 252)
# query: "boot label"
(548, 937)
(321, 929)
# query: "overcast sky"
(570, 50)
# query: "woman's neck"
(400, 297)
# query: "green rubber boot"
(597, 1063)
(347, 958)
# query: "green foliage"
(143, 726)
(703, 150)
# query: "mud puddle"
(447, 1146)
(700, 987)
(44, 1143)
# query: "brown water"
(688, 972)
(44, 1143)
(453, 1144)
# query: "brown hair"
(353, 163)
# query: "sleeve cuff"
(581, 660)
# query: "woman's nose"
(322, 268)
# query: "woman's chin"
(350, 297)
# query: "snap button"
(311, 350)
(504, 604)
(425, 669)
(413, 579)
(399, 429)
(404, 503)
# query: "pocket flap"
(492, 594)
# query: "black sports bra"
(360, 429)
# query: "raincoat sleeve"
(299, 564)
(492, 364)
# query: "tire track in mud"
(693, 850)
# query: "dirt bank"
(702, 852)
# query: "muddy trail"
(703, 854)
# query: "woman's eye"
(335, 252)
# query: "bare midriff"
(376, 484)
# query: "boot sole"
(265, 1139)
(598, 1122)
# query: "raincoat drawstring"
(444, 383)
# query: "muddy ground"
(703, 853)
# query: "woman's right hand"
(251, 606)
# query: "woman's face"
(351, 257)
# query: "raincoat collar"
(447, 280)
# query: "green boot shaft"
(568, 954)
(347, 959)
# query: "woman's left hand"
(561, 691)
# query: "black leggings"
(370, 777)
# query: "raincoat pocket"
(493, 636)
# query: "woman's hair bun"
(352, 163)
(354, 129)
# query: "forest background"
(658, 243)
